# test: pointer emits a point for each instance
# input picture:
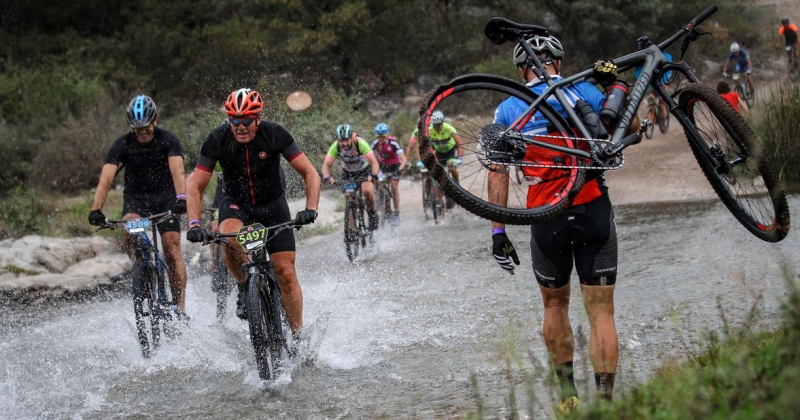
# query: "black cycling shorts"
(357, 176)
(589, 234)
(268, 215)
(148, 204)
(443, 157)
(393, 169)
(218, 194)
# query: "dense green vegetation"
(780, 131)
(67, 69)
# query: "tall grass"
(779, 128)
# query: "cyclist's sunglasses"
(238, 121)
(145, 129)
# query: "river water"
(424, 325)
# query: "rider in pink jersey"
(391, 160)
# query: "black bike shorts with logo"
(274, 213)
(357, 176)
(393, 169)
(589, 234)
(147, 204)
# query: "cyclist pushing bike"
(743, 64)
(154, 183)
(248, 149)
(585, 231)
(358, 165)
(391, 160)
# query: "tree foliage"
(66, 65)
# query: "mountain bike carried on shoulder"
(152, 296)
(269, 330)
(433, 200)
(222, 282)
(743, 89)
(356, 229)
(727, 150)
(657, 113)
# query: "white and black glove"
(504, 252)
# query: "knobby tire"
(260, 318)
(143, 298)
(351, 241)
(469, 103)
(747, 182)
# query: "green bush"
(779, 128)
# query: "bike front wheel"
(351, 231)
(261, 320)
(651, 115)
(734, 162)
(469, 103)
(145, 308)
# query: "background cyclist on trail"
(154, 183)
(731, 97)
(248, 150)
(358, 165)
(391, 160)
(788, 31)
(585, 231)
(447, 145)
(742, 60)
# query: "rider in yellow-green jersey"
(446, 143)
(358, 165)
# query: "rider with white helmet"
(742, 59)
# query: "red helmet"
(243, 102)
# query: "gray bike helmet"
(141, 112)
(540, 44)
(344, 131)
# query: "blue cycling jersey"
(510, 109)
(740, 59)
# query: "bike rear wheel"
(264, 334)
(738, 169)
(663, 121)
(469, 102)
(221, 283)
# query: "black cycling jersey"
(252, 171)
(146, 165)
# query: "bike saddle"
(500, 30)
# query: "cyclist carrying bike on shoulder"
(743, 64)
(583, 236)
(391, 160)
(248, 150)
(154, 183)
(358, 165)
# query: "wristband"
(180, 196)
(495, 231)
(194, 222)
(325, 178)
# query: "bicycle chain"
(620, 157)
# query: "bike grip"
(703, 16)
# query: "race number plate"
(735, 76)
(349, 187)
(137, 225)
(252, 237)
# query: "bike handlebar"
(689, 26)
(155, 218)
(291, 224)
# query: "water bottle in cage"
(612, 108)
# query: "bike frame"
(654, 65)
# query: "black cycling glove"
(197, 234)
(179, 207)
(504, 252)
(305, 217)
(97, 218)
